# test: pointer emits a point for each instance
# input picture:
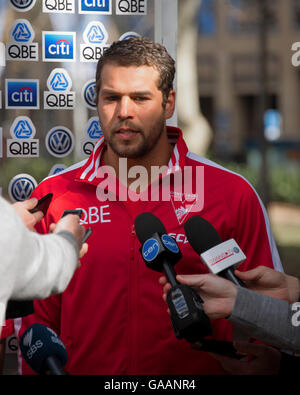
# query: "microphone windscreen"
(38, 343)
(201, 234)
(146, 224)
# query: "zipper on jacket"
(133, 307)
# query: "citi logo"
(95, 7)
(22, 94)
(58, 46)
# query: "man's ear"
(170, 104)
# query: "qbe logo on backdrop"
(59, 141)
(21, 187)
(22, 5)
(59, 46)
(22, 94)
(95, 37)
(22, 46)
(94, 133)
(89, 94)
(22, 143)
(95, 7)
(131, 7)
(59, 96)
(59, 6)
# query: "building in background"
(229, 77)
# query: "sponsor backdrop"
(48, 55)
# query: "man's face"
(130, 109)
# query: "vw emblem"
(21, 186)
(89, 94)
(59, 141)
(22, 5)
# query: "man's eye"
(140, 98)
(111, 98)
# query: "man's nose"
(125, 108)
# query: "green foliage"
(284, 180)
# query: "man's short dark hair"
(140, 51)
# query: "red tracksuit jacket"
(112, 318)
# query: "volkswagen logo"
(59, 141)
(21, 186)
(22, 5)
(89, 94)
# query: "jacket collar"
(88, 172)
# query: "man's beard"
(143, 147)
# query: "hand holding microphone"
(160, 253)
(218, 294)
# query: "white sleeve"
(32, 266)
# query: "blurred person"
(115, 296)
(32, 265)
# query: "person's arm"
(267, 319)
(264, 318)
(48, 261)
(34, 266)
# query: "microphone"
(43, 350)
(220, 257)
(160, 252)
(18, 308)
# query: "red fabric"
(112, 318)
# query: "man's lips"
(126, 133)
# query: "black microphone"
(160, 252)
(220, 257)
(18, 308)
(43, 350)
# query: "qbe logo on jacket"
(22, 5)
(59, 6)
(59, 46)
(95, 7)
(21, 187)
(22, 143)
(59, 96)
(22, 46)
(22, 94)
(95, 37)
(59, 141)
